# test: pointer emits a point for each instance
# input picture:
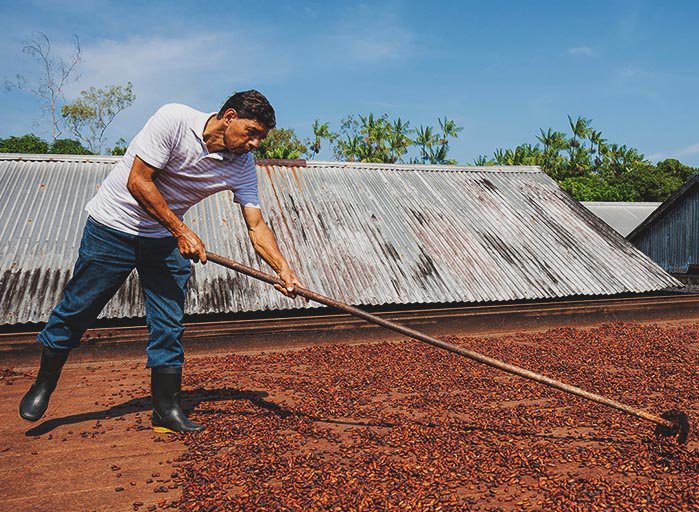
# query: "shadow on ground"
(192, 399)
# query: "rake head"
(679, 429)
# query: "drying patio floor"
(381, 426)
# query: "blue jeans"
(106, 258)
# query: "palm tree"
(449, 128)
(425, 140)
(546, 138)
(399, 141)
(580, 127)
(596, 140)
(377, 133)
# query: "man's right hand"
(190, 245)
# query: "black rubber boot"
(168, 416)
(36, 400)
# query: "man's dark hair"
(251, 105)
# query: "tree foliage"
(370, 138)
(281, 143)
(32, 144)
(380, 139)
(68, 147)
(90, 115)
(591, 168)
(119, 148)
(434, 145)
(321, 131)
(29, 143)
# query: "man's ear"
(229, 115)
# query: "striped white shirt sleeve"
(155, 142)
(245, 190)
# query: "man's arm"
(142, 187)
(265, 244)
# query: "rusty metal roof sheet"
(362, 233)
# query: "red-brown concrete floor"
(94, 451)
(88, 444)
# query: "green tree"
(433, 145)
(676, 169)
(374, 138)
(29, 144)
(595, 188)
(483, 161)
(90, 115)
(321, 131)
(120, 147)
(68, 147)
(280, 143)
(552, 159)
(399, 139)
(597, 145)
(365, 139)
(524, 154)
(649, 182)
(578, 153)
(593, 169)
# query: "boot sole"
(19, 414)
(163, 430)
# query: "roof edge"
(426, 167)
(26, 157)
(654, 204)
(289, 163)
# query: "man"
(135, 221)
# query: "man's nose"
(255, 143)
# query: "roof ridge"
(30, 157)
(38, 157)
(426, 167)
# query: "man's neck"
(213, 134)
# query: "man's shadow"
(190, 400)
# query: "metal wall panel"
(672, 240)
(362, 233)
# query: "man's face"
(243, 135)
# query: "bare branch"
(55, 74)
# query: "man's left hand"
(290, 282)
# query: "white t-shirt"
(172, 140)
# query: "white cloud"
(692, 149)
(199, 69)
(158, 65)
(369, 34)
(585, 51)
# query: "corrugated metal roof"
(623, 217)
(362, 233)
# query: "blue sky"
(501, 69)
